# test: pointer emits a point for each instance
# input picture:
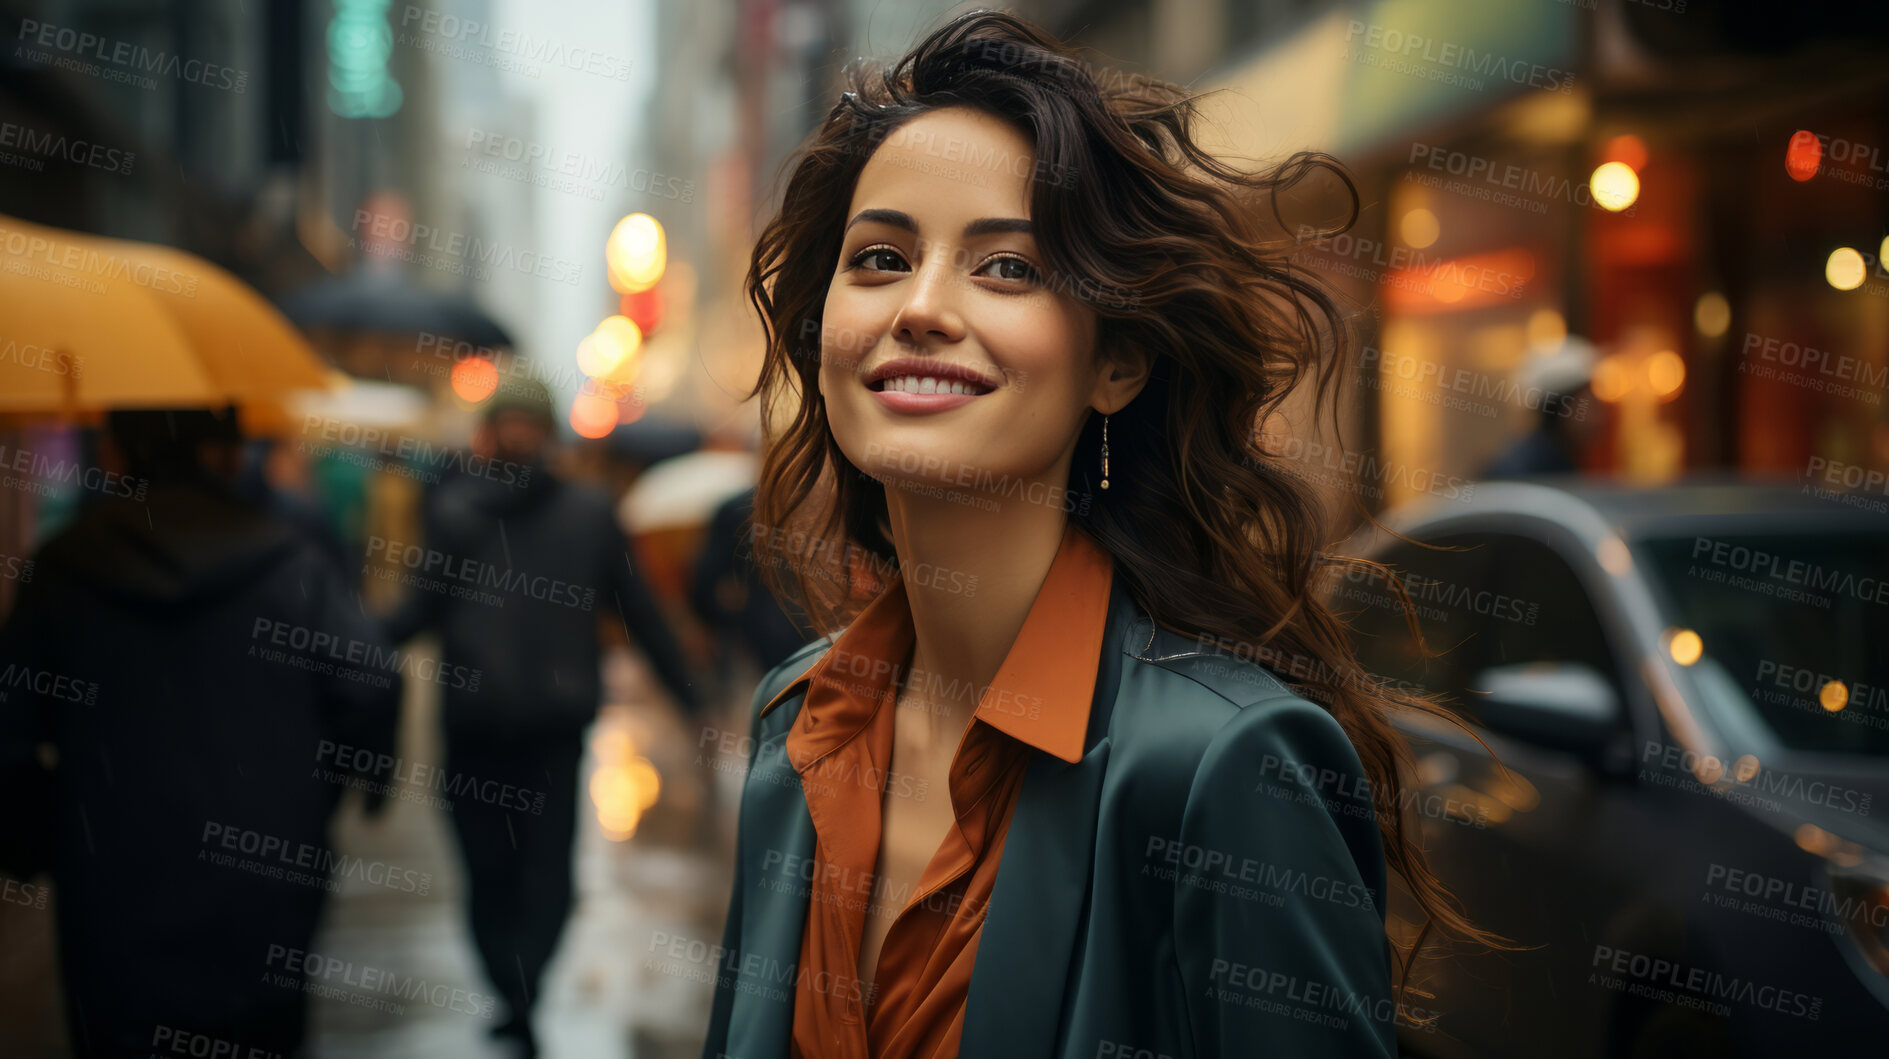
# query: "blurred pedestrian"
(285, 505)
(1557, 384)
(516, 569)
(727, 592)
(164, 698)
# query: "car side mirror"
(1561, 706)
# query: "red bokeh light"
(644, 308)
(1804, 156)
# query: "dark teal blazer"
(1207, 881)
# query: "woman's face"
(940, 288)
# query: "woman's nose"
(931, 311)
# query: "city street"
(600, 999)
(1133, 529)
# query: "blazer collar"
(1035, 697)
(1024, 953)
(1015, 1002)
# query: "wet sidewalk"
(603, 996)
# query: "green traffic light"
(359, 45)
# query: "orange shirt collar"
(1044, 689)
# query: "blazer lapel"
(778, 828)
(1024, 953)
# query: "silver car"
(1686, 690)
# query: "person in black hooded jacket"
(516, 569)
(178, 679)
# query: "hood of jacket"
(184, 543)
(477, 498)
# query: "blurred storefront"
(1697, 190)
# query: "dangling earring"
(1105, 450)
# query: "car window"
(1491, 599)
(1443, 583)
(1543, 613)
(1790, 629)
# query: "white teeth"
(928, 384)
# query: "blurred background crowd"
(387, 361)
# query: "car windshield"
(1790, 626)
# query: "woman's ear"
(1120, 376)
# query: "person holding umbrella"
(516, 568)
(163, 751)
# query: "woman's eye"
(1011, 268)
(879, 259)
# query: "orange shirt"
(841, 744)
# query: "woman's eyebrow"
(901, 219)
(994, 225)
(895, 218)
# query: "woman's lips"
(896, 394)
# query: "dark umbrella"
(371, 300)
(651, 439)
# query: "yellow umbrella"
(248, 347)
(115, 324)
(74, 339)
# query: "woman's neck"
(964, 628)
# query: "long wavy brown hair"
(1180, 255)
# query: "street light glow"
(1420, 228)
(1685, 646)
(1845, 269)
(1666, 374)
(637, 253)
(1712, 314)
(1615, 185)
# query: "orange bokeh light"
(1610, 381)
(1666, 374)
(613, 351)
(1627, 149)
(1472, 281)
(474, 379)
(1803, 157)
(625, 785)
(593, 415)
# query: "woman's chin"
(920, 453)
(941, 479)
(935, 458)
(917, 483)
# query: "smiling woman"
(945, 270)
(1048, 326)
